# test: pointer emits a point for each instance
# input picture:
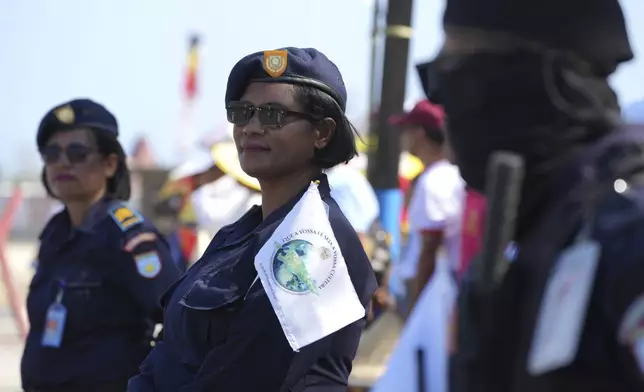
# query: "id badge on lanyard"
(55, 321)
(564, 307)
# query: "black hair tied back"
(342, 146)
(118, 186)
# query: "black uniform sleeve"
(265, 361)
(147, 268)
(144, 381)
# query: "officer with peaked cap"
(221, 330)
(532, 78)
(94, 299)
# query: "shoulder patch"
(138, 239)
(148, 264)
(125, 217)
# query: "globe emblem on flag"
(290, 263)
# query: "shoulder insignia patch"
(138, 239)
(125, 217)
(148, 264)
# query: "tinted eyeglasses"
(75, 153)
(273, 116)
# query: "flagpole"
(382, 168)
(186, 130)
(190, 91)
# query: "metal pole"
(375, 43)
(191, 90)
(383, 162)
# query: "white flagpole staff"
(305, 275)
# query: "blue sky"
(130, 54)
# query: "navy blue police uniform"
(104, 278)
(608, 352)
(221, 332)
(564, 318)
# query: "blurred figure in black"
(94, 299)
(532, 78)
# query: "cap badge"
(275, 62)
(65, 114)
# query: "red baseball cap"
(424, 113)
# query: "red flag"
(472, 228)
(191, 68)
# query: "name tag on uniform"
(564, 308)
(54, 326)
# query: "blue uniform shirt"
(112, 270)
(222, 336)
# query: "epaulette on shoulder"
(125, 217)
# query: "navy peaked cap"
(303, 66)
(79, 113)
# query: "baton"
(503, 192)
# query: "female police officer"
(221, 333)
(102, 268)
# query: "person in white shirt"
(216, 194)
(355, 197)
(435, 207)
(430, 256)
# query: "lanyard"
(60, 292)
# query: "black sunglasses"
(240, 113)
(75, 153)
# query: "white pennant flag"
(305, 276)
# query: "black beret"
(593, 29)
(307, 67)
(76, 114)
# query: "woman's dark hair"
(342, 146)
(118, 186)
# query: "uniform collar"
(252, 223)
(280, 213)
(61, 222)
(266, 228)
(96, 214)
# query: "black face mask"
(537, 105)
